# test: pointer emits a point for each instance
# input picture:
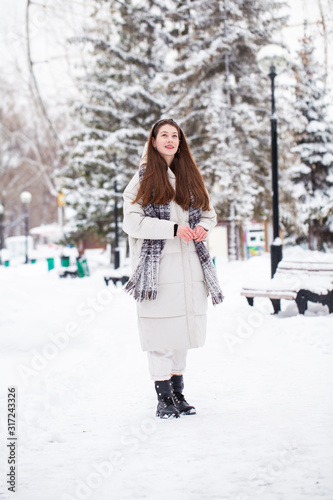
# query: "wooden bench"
(121, 274)
(70, 271)
(123, 279)
(301, 281)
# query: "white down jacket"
(177, 318)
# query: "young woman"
(167, 216)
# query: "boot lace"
(167, 400)
(180, 397)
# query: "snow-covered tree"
(194, 61)
(313, 174)
(219, 96)
(116, 110)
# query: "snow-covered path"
(262, 387)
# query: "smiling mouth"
(169, 147)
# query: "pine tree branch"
(121, 54)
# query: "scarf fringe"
(140, 295)
(217, 299)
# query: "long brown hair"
(155, 186)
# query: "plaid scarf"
(143, 283)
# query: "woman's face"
(167, 142)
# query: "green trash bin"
(50, 263)
(85, 267)
(6, 263)
(32, 261)
(64, 261)
(82, 268)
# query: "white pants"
(163, 364)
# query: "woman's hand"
(185, 233)
(199, 233)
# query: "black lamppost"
(116, 252)
(26, 199)
(272, 60)
(2, 210)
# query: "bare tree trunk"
(320, 235)
(325, 35)
(311, 236)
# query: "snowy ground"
(262, 387)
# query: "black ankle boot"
(178, 397)
(165, 406)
